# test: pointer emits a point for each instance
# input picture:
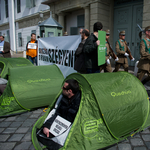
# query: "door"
(126, 17)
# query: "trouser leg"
(108, 68)
(117, 66)
(141, 74)
(125, 66)
(146, 79)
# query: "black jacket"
(67, 109)
(91, 52)
(79, 58)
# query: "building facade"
(20, 18)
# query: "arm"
(142, 50)
(118, 49)
(89, 46)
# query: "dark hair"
(86, 32)
(33, 34)
(97, 26)
(73, 85)
(2, 36)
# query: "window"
(8, 36)
(6, 8)
(59, 34)
(18, 6)
(30, 3)
(50, 34)
(80, 21)
(0, 9)
(74, 31)
(33, 31)
(28, 38)
(20, 39)
(0, 33)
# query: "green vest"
(146, 48)
(120, 47)
(106, 51)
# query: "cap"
(147, 28)
(65, 33)
(107, 32)
(122, 33)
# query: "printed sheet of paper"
(32, 45)
(59, 126)
(1, 48)
(101, 47)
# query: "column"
(87, 17)
(12, 25)
(61, 20)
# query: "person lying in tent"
(67, 107)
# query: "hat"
(107, 32)
(65, 33)
(147, 28)
(122, 33)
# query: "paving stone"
(5, 124)
(38, 111)
(16, 124)
(2, 119)
(7, 145)
(11, 118)
(136, 136)
(146, 137)
(1, 130)
(146, 131)
(22, 130)
(136, 142)
(124, 146)
(140, 148)
(31, 147)
(10, 130)
(112, 148)
(29, 122)
(36, 115)
(21, 118)
(23, 146)
(27, 137)
(147, 144)
(4, 137)
(16, 137)
(26, 114)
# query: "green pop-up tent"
(113, 106)
(29, 88)
(6, 63)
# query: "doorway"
(126, 17)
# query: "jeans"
(92, 70)
(33, 60)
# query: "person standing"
(79, 55)
(32, 49)
(90, 50)
(144, 62)
(4, 47)
(122, 53)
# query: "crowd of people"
(86, 56)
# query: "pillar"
(87, 17)
(61, 20)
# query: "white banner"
(60, 51)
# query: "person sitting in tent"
(67, 107)
(3, 84)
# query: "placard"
(59, 126)
(32, 46)
(1, 48)
(101, 47)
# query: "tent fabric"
(113, 106)
(29, 88)
(6, 63)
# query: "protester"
(90, 50)
(67, 109)
(144, 62)
(4, 47)
(32, 49)
(79, 55)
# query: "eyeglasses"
(64, 88)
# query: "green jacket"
(90, 51)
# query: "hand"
(2, 51)
(126, 54)
(117, 59)
(108, 61)
(132, 59)
(46, 131)
(98, 42)
(110, 57)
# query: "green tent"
(113, 106)
(6, 63)
(29, 88)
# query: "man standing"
(79, 55)
(122, 53)
(4, 47)
(32, 49)
(144, 62)
(90, 50)
(107, 66)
